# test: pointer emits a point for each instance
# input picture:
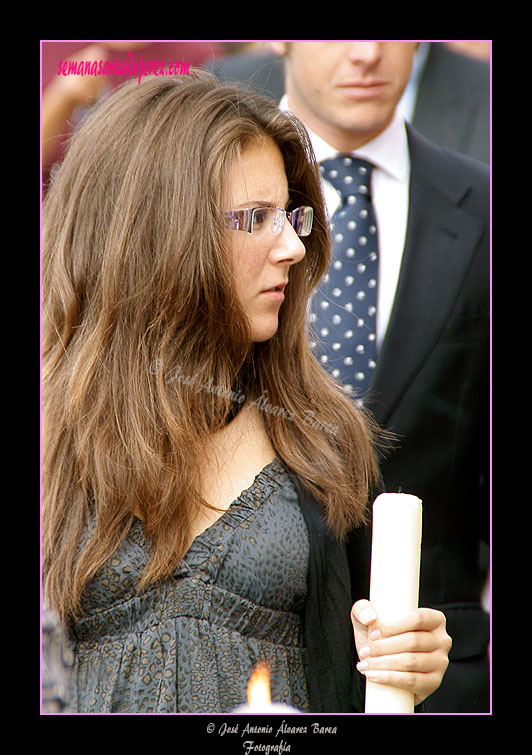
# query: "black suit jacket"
(431, 385)
(453, 102)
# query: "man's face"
(346, 92)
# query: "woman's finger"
(403, 662)
(422, 619)
(420, 684)
(409, 642)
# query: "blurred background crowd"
(66, 99)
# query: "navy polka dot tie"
(345, 308)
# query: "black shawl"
(338, 576)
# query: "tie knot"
(349, 175)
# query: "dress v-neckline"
(209, 533)
(245, 494)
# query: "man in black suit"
(450, 96)
(431, 381)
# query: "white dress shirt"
(389, 190)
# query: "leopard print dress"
(190, 644)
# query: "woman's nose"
(288, 246)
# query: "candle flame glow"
(259, 687)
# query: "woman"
(185, 418)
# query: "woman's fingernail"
(362, 665)
(375, 634)
(364, 652)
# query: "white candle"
(272, 709)
(394, 581)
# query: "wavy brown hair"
(137, 287)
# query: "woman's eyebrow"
(262, 203)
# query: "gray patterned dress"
(190, 645)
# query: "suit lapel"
(440, 241)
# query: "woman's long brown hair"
(144, 338)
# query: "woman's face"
(262, 261)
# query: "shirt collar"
(388, 151)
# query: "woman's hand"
(411, 653)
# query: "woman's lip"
(276, 295)
(275, 292)
(279, 286)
